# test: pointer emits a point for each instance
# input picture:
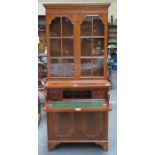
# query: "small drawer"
(55, 98)
(99, 94)
(55, 94)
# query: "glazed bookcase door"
(92, 47)
(61, 47)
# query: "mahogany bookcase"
(77, 89)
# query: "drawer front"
(100, 94)
(55, 94)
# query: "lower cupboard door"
(61, 125)
(93, 125)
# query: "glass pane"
(55, 27)
(67, 47)
(68, 67)
(98, 46)
(98, 27)
(56, 67)
(67, 27)
(85, 47)
(98, 67)
(55, 46)
(86, 67)
(86, 27)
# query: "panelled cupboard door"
(92, 51)
(91, 125)
(61, 125)
(61, 45)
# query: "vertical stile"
(92, 46)
(105, 19)
(62, 58)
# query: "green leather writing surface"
(77, 104)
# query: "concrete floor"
(88, 148)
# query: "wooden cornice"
(78, 7)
